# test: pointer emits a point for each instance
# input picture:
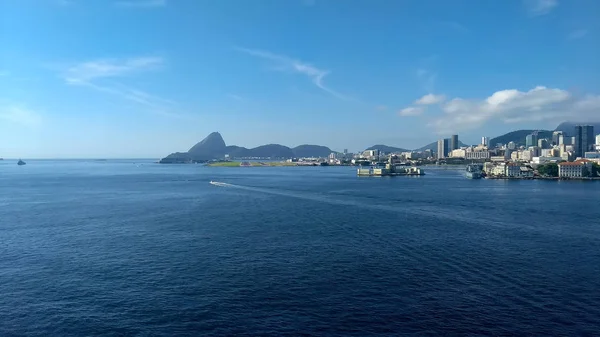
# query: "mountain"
(304, 151)
(386, 149)
(214, 147)
(519, 137)
(210, 147)
(272, 150)
(569, 127)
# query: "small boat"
(20, 162)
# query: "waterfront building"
(513, 170)
(453, 143)
(571, 169)
(485, 141)
(531, 140)
(584, 139)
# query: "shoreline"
(545, 178)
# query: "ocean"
(133, 248)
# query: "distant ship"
(474, 171)
(20, 162)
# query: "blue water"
(122, 248)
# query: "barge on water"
(390, 170)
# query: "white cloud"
(540, 7)
(513, 106)
(20, 115)
(141, 3)
(577, 34)
(411, 111)
(285, 63)
(430, 99)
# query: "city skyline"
(143, 78)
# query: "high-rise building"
(543, 143)
(511, 145)
(598, 139)
(442, 148)
(555, 137)
(531, 140)
(345, 151)
(584, 139)
(453, 143)
(485, 141)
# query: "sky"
(144, 78)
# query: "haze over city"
(146, 78)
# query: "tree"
(585, 172)
(595, 170)
(548, 170)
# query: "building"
(597, 142)
(513, 170)
(544, 160)
(592, 155)
(527, 155)
(442, 148)
(453, 143)
(543, 143)
(584, 139)
(371, 154)
(555, 137)
(531, 140)
(579, 168)
(564, 140)
(477, 155)
(511, 146)
(485, 141)
(458, 153)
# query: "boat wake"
(217, 183)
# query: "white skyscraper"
(485, 141)
(597, 139)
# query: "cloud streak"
(284, 63)
(540, 7)
(20, 115)
(577, 34)
(141, 3)
(102, 76)
(411, 111)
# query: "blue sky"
(143, 78)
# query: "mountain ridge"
(213, 147)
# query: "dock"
(390, 169)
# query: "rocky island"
(213, 147)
